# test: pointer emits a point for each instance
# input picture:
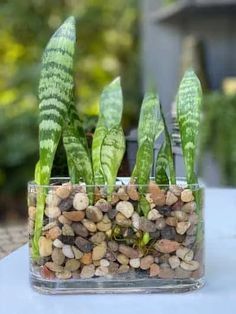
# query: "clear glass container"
(126, 238)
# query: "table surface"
(217, 296)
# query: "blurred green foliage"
(218, 133)
(108, 45)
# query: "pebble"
(187, 196)
(49, 226)
(123, 196)
(32, 212)
(110, 256)
(135, 220)
(125, 208)
(53, 233)
(164, 259)
(86, 259)
(166, 246)
(146, 225)
(83, 245)
(57, 256)
(149, 199)
(175, 189)
(54, 267)
(69, 240)
(157, 195)
(165, 211)
(105, 224)
(87, 271)
(155, 235)
(103, 205)
(67, 251)
(101, 271)
(121, 220)
(64, 190)
(182, 227)
(122, 259)
(113, 268)
(45, 246)
(52, 200)
(77, 253)
(72, 265)
(181, 273)
(66, 204)
(58, 244)
(174, 261)
(67, 230)
(80, 229)
(146, 262)
(114, 198)
(189, 240)
(46, 273)
(98, 237)
(112, 213)
(113, 246)
(171, 198)
(104, 262)
(154, 270)
(132, 192)
(191, 266)
(192, 230)
(128, 251)
(189, 208)
(63, 220)
(89, 225)
(64, 275)
(171, 221)
(74, 215)
(99, 251)
(185, 254)
(180, 215)
(80, 201)
(160, 223)
(193, 219)
(178, 205)
(166, 273)
(94, 213)
(134, 262)
(123, 269)
(154, 214)
(168, 233)
(52, 212)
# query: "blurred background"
(146, 42)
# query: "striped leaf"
(189, 100)
(55, 93)
(111, 104)
(161, 166)
(112, 152)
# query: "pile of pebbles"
(80, 240)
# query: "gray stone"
(80, 229)
(83, 245)
(146, 225)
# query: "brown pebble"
(154, 270)
(72, 265)
(146, 262)
(123, 269)
(53, 233)
(123, 196)
(132, 192)
(88, 271)
(64, 190)
(46, 273)
(171, 198)
(105, 224)
(122, 259)
(94, 214)
(187, 196)
(166, 273)
(86, 259)
(74, 215)
(166, 246)
(128, 251)
(57, 256)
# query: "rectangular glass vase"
(125, 238)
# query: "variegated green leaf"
(111, 104)
(55, 92)
(161, 166)
(144, 208)
(98, 139)
(189, 100)
(150, 122)
(112, 152)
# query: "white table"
(218, 295)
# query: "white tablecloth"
(218, 295)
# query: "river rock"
(52, 200)
(54, 267)
(67, 251)
(191, 266)
(128, 251)
(80, 229)
(94, 214)
(64, 275)
(166, 246)
(64, 190)
(176, 190)
(63, 220)
(154, 270)
(134, 262)
(122, 259)
(104, 262)
(174, 261)
(57, 256)
(132, 192)
(89, 225)
(67, 230)
(154, 214)
(52, 212)
(171, 221)
(123, 269)
(83, 245)
(113, 246)
(105, 224)
(160, 223)
(86, 259)
(165, 211)
(166, 273)
(182, 227)
(125, 208)
(45, 247)
(185, 254)
(146, 225)
(87, 271)
(114, 198)
(72, 265)
(53, 233)
(69, 240)
(103, 205)
(99, 251)
(101, 271)
(121, 220)
(74, 215)
(135, 220)
(77, 253)
(46, 273)
(66, 204)
(57, 243)
(80, 201)
(168, 233)
(122, 194)
(187, 195)
(171, 198)
(189, 208)
(189, 241)
(146, 262)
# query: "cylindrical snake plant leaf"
(112, 153)
(189, 100)
(161, 176)
(55, 93)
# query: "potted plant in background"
(94, 232)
